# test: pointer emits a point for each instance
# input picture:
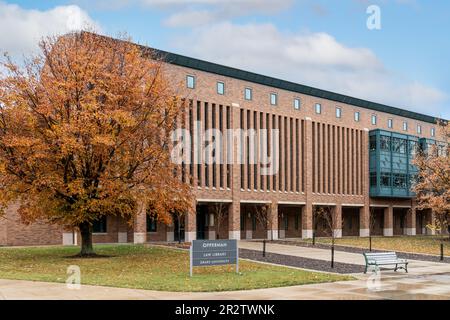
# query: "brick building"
(349, 155)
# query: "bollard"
(370, 243)
(442, 252)
(264, 248)
(332, 256)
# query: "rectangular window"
(374, 119)
(248, 94)
(318, 108)
(419, 129)
(372, 143)
(253, 222)
(357, 116)
(413, 147)
(433, 132)
(273, 99)
(399, 180)
(190, 82)
(99, 225)
(220, 88)
(405, 126)
(243, 219)
(286, 222)
(385, 179)
(373, 179)
(338, 112)
(399, 145)
(151, 223)
(390, 123)
(385, 143)
(297, 104)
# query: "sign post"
(204, 253)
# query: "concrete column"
(68, 238)
(140, 224)
(364, 221)
(337, 219)
(190, 224)
(234, 221)
(411, 221)
(122, 237)
(272, 230)
(307, 221)
(388, 230)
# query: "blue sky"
(320, 43)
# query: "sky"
(322, 43)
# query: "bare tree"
(178, 215)
(331, 224)
(262, 216)
(220, 212)
(372, 223)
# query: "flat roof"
(202, 65)
(231, 72)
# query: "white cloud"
(22, 28)
(315, 59)
(188, 13)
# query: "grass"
(416, 244)
(148, 267)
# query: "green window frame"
(385, 179)
(385, 143)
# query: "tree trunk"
(86, 239)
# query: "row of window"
(394, 180)
(397, 145)
(248, 95)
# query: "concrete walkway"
(389, 287)
(415, 267)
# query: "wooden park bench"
(384, 259)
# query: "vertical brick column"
(337, 220)
(364, 221)
(190, 224)
(388, 230)
(272, 230)
(364, 214)
(140, 224)
(234, 211)
(307, 214)
(411, 221)
(234, 220)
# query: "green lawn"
(147, 267)
(415, 244)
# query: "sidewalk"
(401, 287)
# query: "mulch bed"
(300, 262)
(402, 255)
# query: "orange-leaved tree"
(84, 133)
(433, 183)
